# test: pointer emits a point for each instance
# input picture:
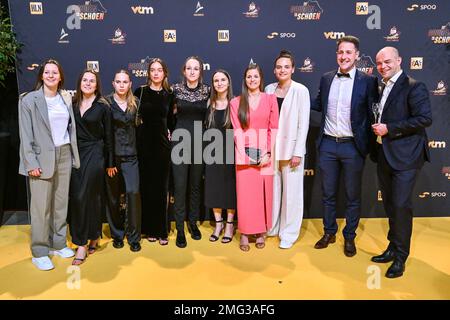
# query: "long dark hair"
(243, 111)
(39, 82)
(213, 99)
(165, 84)
(98, 90)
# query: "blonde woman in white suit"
(48, 150)
(290, 149)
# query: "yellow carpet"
(206, 270)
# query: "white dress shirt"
(337, 119)
(58, 115)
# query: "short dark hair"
(285, 54)
(351, 39)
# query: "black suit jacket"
(365, 92)
(407, 112)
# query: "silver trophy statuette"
(376, 109)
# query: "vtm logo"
(437, 144)
(333, 35)
(422, 7)
(427, 194)
(142, 10)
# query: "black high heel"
(213, 237)
(226, 239)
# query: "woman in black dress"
(125, 176)
(191, 97)
(156, 113)
(95, 145)
(220, 176)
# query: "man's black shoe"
(349, 247)
(396, 269)
(135, 246)
(195, 232)
(386, 256)
(325, 240)
(181, 240)
(118, 244)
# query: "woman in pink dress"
(254, 116)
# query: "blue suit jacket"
(365, 92)
(407, 112)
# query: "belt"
(338, 139)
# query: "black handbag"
(254, 154)
(138, 120)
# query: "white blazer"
(293, 124)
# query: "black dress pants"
(126, 181)
(185, 175)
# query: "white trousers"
(287, 212)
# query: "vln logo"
(63, 36)
(427, 194)
(199, 10)
(362, 8)
(223, 35)
(365, 64)
(379, 196)
(93, 65)
(170, 35)
(422, 7)
(282, 35)
(309, 172)
(308, 65)
(142, 10)
(36, 8)
(437, 144)
(333, 35)
(441, 89)
(310, 10)
(416, 63)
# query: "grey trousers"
(48, 206)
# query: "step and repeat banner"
(110, 34)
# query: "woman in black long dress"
(220, 176)
(125, 178)
(95, 145)
(156, 112)
(191, 97)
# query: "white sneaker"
(43, 263)
(285, 244)
(64, 252)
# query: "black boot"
(181, 239)
(195, 232)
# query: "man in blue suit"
(400, 151)
(345, 98)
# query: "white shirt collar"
(394, 78)
(352, 72)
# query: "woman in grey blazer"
(48, 150)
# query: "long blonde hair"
(214, 97)
(131, 99)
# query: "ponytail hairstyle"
(200, 62)
(243, 111)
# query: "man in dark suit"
(400, 151)
(345, 98)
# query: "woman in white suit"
(290, 149)
(48, 150)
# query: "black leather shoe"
(118, 243)
(396, 269)
(349, 247)
(181, 240)
(135, 246)
(195, 232)
(325, 240)
(386, 256)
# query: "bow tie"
(345, 75)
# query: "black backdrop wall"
(113, 34)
